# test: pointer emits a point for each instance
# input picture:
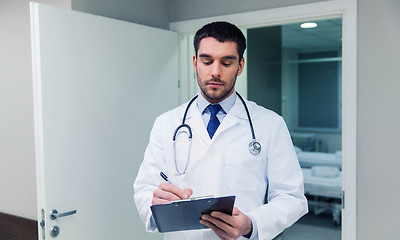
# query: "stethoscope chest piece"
(254, 147)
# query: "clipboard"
(185, 214)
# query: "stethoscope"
(254, 146)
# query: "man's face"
(217, 66)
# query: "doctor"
(227, 146)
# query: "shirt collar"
(226, 104)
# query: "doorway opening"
(344, 9)
(297, 72)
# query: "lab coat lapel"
(195, 121)
(233, 117)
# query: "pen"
(165, 177)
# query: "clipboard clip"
(192, 199)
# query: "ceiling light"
(308, 25)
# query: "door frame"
(347, 10)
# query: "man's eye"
(226, 64)
(207, 62)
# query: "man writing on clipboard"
(233, 147)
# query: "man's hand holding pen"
(168, 192)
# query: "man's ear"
(195, 62)
(241, 67)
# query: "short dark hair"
(222, 31)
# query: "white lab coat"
(224, 166)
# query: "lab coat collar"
(194, 119)
(226, 104)
(237, 110)
(233, 117)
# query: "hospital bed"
(324, 192)
(322, 182)
(310, 159)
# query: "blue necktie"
(214, 122)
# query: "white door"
(98, 86)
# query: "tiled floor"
(312, 227)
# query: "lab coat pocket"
(242, 170)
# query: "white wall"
(17, 159)
(378, 123)
(152, 13)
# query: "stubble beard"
(223, 95)
(218, 98)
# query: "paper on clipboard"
(185, 215)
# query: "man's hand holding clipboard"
(173, 210)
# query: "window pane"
(318, 87)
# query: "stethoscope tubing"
(254, 146)
(253, 135)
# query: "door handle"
(54, 214)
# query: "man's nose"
(216, 70)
